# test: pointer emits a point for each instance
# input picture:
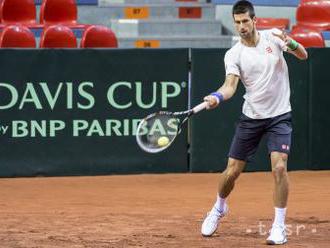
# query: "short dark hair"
(243, 6)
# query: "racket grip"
(200, 107)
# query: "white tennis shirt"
(264, 73)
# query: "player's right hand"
(212, 101)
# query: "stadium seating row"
(313, 16)
(51, 12)
(79, 2)
(57, 36)
(310, 18)
(262, 2)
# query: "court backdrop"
(75, 112)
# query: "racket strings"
(157, 132)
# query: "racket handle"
(199, 107)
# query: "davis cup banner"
(75, 112)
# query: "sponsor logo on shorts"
(285, 147)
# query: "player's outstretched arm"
(300, 52)
(294, 47)
(225, 92)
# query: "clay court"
(157, 211)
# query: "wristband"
(219, 96)
(293, 45)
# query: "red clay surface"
(157, 211)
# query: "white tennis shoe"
(211, 222)
(277, 236)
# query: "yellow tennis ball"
(163, 141)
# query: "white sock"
(220, 203)
(279, 219)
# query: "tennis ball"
(163, 141)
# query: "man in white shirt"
(257, 60)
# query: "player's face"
(245, 25)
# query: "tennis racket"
(157, 131)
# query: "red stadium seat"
(1, 10)
(314, 15)
(308, 37)
(98, 36)
(18, 11)
(17, 36)
(266, 23)
(307, 1)
(58, 36)
(59, 12)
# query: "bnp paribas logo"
(73, 95)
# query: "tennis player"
(257, 60)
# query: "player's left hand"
(283, 36)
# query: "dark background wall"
(98, 137)
(74, 112)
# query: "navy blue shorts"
(250, 131)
